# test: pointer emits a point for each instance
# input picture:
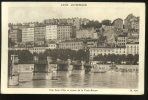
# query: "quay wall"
(127, 66)
(121, 66)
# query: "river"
(109, 79)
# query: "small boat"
(113, 66)
(99, 68)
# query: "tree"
(113, 57)
(10, 42)
(92, 23)
(25, 56)
(123, 57)
(80, 54)
(106, 22)
(104, 58)
(98, 58)
(136, 58)
(130, 58)
(108, 58)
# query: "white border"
(4, 52)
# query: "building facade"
(51, 32)
(28, 34)
(73, 45)
(104, 51)
(64, 32)
(70, 21)
(135, 25)
(77, 23)
(91, 43)
(120, 50)
(39, 33)
(121, 40)
(48, 21)
(95, 35)
(15, 35)
(52, 45)
(132, 48)
(127, 21)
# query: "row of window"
(71, 47)
(51, 45)
(101, 50)
(121, 43)
(132, 46)
(121, 40)
(69, 44)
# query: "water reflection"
(87, 80)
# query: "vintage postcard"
(73, 48)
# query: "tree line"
(97, 24)
(63, 54)
(129, 59)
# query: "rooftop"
(71, 41)
(122, 35)
(132, 43)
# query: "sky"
(33, 14)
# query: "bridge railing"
(33, 62)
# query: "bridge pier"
(45, 70)
(80, 70)
(13, 77)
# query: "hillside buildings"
(85, 33)
(131, 22)
(120, 37)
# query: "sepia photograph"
(73, 48)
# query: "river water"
(88, 80)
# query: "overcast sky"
(32, 14)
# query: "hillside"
(111, 34)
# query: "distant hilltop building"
(118, 23)
(131, 22)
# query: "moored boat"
(99, 68)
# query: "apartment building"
(15, 35)
(64, 32)
(51, 32)
(28, 34)
(121, 40)
(39, 33)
